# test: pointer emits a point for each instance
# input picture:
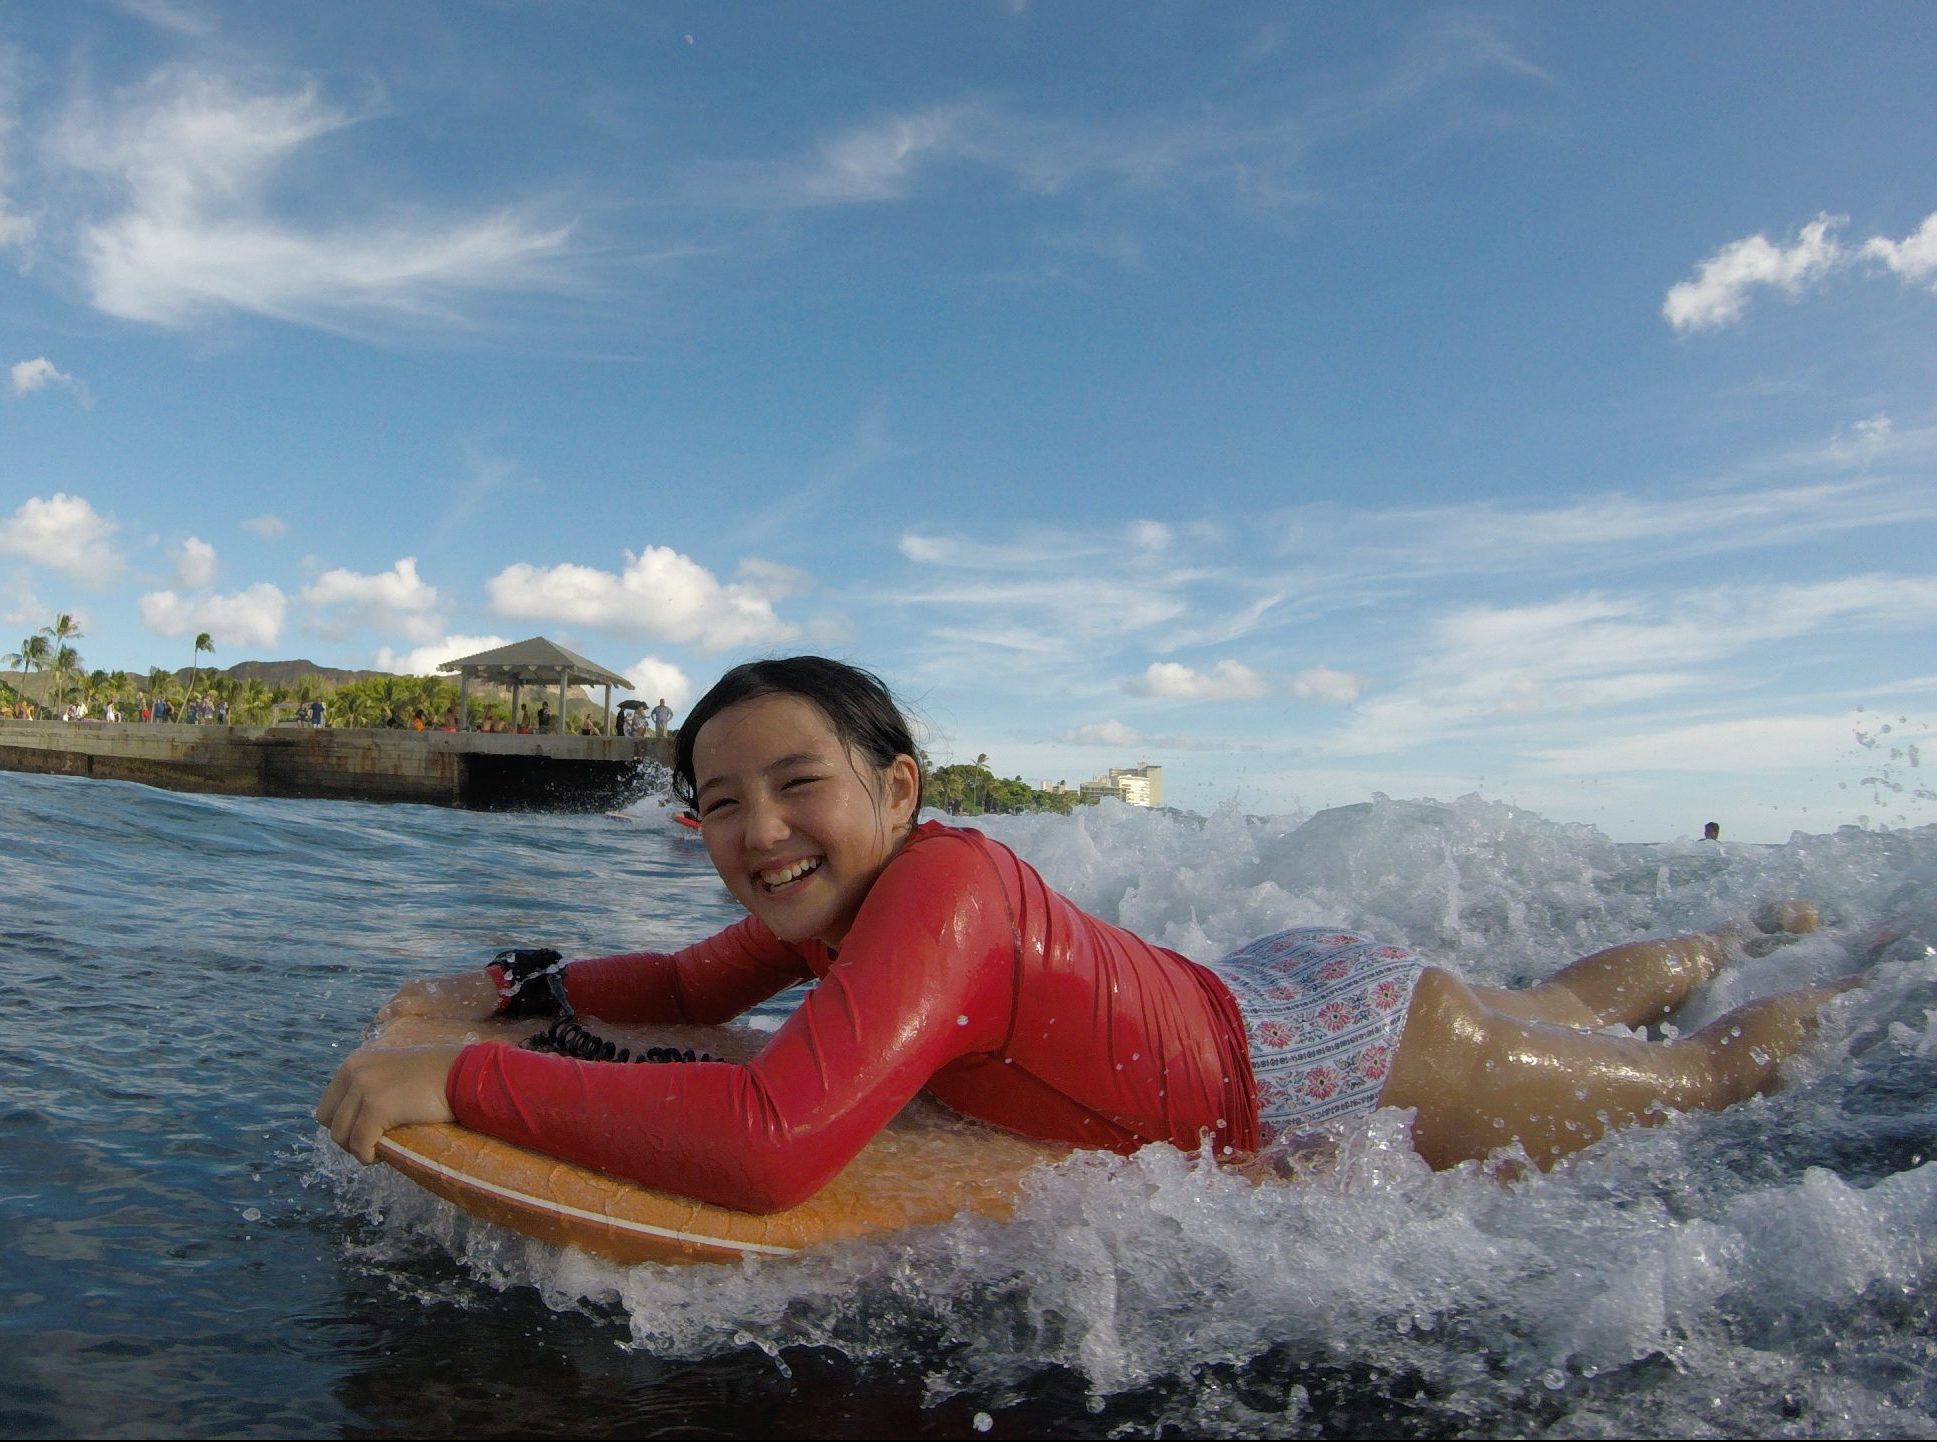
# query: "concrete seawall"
(479, 771)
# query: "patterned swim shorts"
(1323, 1011)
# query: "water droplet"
(982, 1422)
(1758, 1056)
(252, 1214)
(962, 1020)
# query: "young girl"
(945, 964)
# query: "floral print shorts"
(1323, 1010)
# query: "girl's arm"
(926, 976)
(711, 981)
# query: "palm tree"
(66, 662)
(202, 643)
(56, 636)
(35, 655)
(253, 702)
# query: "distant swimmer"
(1712, 831)
(946, 964)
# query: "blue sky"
(1531, 400)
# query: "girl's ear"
(901, 788)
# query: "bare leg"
(1641, 981)
(1481, 1079)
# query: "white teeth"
(774, 880)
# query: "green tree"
(32, 656)
(202, 643)
(62, 659)
(66, 662)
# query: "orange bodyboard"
(925, 1166)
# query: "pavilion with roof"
(534, 663)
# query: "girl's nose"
(766, 825)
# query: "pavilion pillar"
(464, 700)
(608, 708)
(563, 678)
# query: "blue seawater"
(182, 1254)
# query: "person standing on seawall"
(661, 714)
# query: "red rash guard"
(963, 973)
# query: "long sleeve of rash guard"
(709, 982)
(962, 973)
(925, 976)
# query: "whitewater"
(182, 1254)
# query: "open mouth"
(785, 876)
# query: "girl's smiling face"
(797, 824)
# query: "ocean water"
(182, 1254)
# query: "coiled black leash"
(534, 985)
(565, 1037)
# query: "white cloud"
(396, 599)
(1226, 681)
(252, 617)
(1322, 683)
(197, 159)
(64, 533)
(653, 678)
(15, 229)
(424, 660)
(1758, 746)
(1150, 535)
(37, 374)
(194, 562)
(772, 581)
(18, 603)
(1914, 257)
(661, 594)
(1103, 733)
(877, 160)
(1483, 665)
(266, 527)
(1721, 290)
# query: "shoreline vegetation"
(46, 679)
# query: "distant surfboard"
(925, 1166)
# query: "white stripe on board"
(560, 1209)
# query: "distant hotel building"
(1143, 786)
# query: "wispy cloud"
(191, 160)
(1585, 654)
(1754, 745)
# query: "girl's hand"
(467, 996)
(378, 1088)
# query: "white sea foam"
(1757, 1271)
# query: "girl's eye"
(800, 781)
(712, 808)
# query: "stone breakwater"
(475, 770)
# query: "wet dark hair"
(857, 705)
